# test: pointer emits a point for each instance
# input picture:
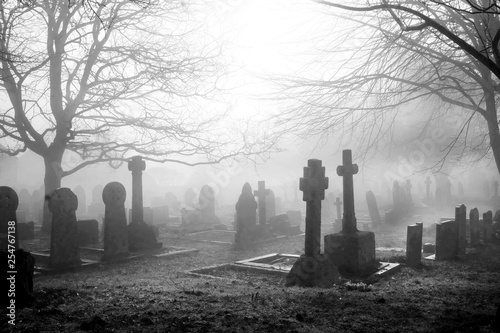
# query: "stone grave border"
(44, 255)
(259, 265)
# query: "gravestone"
(88, 232)
(414, 244)
(487, 226)
(428, 187)
(141, 236)
(82, 201)
(313, 269)
(9, 238)
(446, 240)
(189, 197)
(373, 209)
(474, 227)
(246, 218)
(206, 203)
(115, 222)
(270, 205)
(461, 218)
(261, 194)
(352, 251)
(64, 251)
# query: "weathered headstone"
(246, 217)
(64, 251)
(8, 221)
(206, 203)
(140, 235)
(352, 251)
(461, 218)
(270, 205)
(82, 201)
(88, 232)
(373, 209)
(487, 226)
(414, 244)
(313, 269)
(115, 222)
(261, 201)
(446, 240)
(474, 227)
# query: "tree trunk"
(52, 181)
(493, 129)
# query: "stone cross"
(313, 185)
(338, 204)
(64, 245)
(428, 187)
(8, 221)
(261, 200)
(137, 166)
(115, 221)
(347, 170)
(495, 188)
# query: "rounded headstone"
(114, 194)
(63, 199)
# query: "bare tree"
(394, 54)
(104, 80)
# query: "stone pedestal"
(141, 236)
(315, 271)
(353, 253)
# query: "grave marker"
(446, 240)
(261, 200)
(64, 251)
(352, 251)
(460, 218)
(487, 226)
(8, 220)
(373, 209)
(414, 244)
(246, 216)
(115, 221)
(207, 205)
(474, 227)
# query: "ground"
(157, 295)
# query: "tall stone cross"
(137, 166)
(428, 187)
(338, 204)
(313, 185)
(347, 170)
(261, 200)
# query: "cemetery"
(87, 275)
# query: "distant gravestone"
(88, 232)
(270, 205)
(261, 194)
(246, 217)
(189, 197)
(8, 221)
(446, 240)
(82, 200)
(313, 269)
(64, 251)
(206, 203)
(461, 218)
(487, 226)
(474, 227)
(373, 209)
(115, 222)
(414, 244)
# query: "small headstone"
(8, 220)
(115, 222)
(64, 251)
(373, 208)
(446, 240)
(474, 227)
(461, 218)
(246, 217)
(88, 232)
(487, 226)
(414, 244)
(207, 205)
